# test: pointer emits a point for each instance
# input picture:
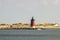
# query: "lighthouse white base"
(33, 26)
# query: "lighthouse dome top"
(32, 19)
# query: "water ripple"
(27, 35)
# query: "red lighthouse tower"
(32, 23)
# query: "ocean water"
(48, 34)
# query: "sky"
(21, 11)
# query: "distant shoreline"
(22, 28)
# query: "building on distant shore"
(4, 26)
(32, 23)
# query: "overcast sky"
(21, 11)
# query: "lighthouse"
(32, 23)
